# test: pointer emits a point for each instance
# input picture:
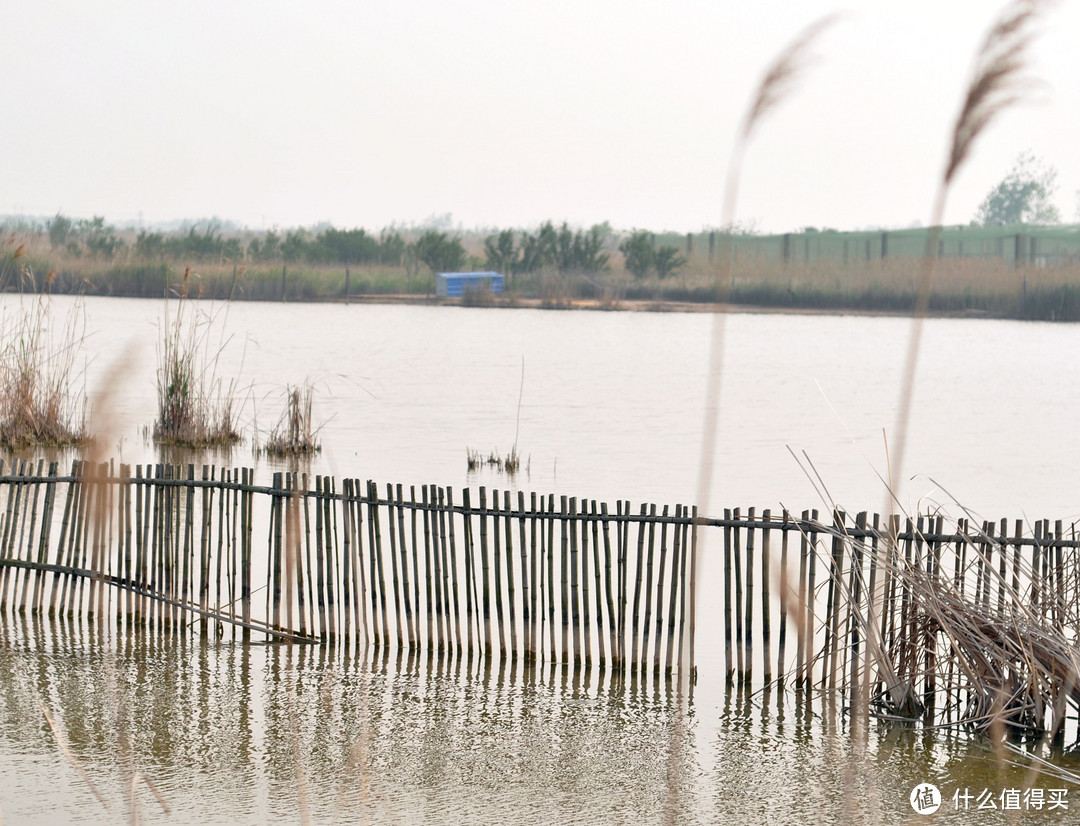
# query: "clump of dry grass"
(38, 401)
(295, 432)
(194, 408)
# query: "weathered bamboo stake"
(635, 657)
(441, 632)
(353, 507)
(1018, 535)
(320, 574)
(609, 591)
(536, 568)
(188, 567)
(274, 541)
(620, 586)
(29, 575)
(66, 525)
(222, 506)
(691, 587)
(527, 580)
(811, 568)
(564, 584)
(206, 514)
(410, 619)
(370, 581)
(676, 572)
(1036, 590)
(294, 558)
(594, 524)
(496, 535)
(748, 627)
(543, 583)
(872, 600)
(570, 527)
(416, 562)
(550, 547)
(660, 595)
(144, 527)
(330, 537)
(858, 548)
(729, 668)
(246, 501)
(375, 548)
(46, 533)
(510, 590)
(450, 544)
(163, 517)
(648, 593)
(740, 646)
(314, 591)
(14, 530)
(1059, 577)
(583, 558)
(1003, 561)
(786, 588)
(448, 578)
(833, 609)
(1047, 585)
(394, 564)
(85, 500)
(10, 545)
(766, 601)
(349, 556)
(23, 551)
(14, 490)
(485, 608)
(470, 570)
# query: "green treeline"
(1012, 271)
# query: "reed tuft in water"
(39, 402)
(195, 409)
(295, 432)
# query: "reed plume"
(778, 82)
(999, 80)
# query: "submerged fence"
(978, 620)
(558, 581)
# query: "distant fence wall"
(1017, 246)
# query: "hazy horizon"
(508, 115)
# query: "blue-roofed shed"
(455, 284)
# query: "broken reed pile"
(973, 625)
(552, 581)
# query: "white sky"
(505, 113)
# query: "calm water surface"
(611, 407)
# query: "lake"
(611, 407)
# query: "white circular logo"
(925, 799)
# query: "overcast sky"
(506, 114)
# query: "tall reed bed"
(39, 371)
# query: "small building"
(455, 284)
